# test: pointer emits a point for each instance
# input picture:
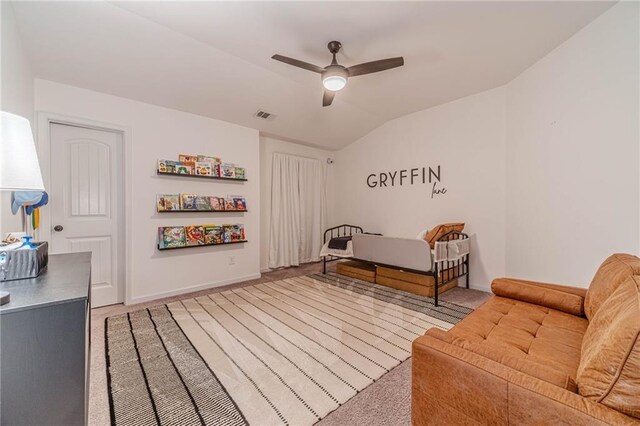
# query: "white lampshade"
(19, 167)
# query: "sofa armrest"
(451, 385)
(561, 298)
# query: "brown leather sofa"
(537, 354)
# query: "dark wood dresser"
(44, 345)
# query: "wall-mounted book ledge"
(201, 176)
(201, 245)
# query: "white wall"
(16, 95)
(467, 139)
(573, 153)
(268, 146)
(157, 132)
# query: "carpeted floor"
(387, 401)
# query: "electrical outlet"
(232, 260)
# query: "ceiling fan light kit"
(334, 76)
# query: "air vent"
(264, 115)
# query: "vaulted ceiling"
(213, 58)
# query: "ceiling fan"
(334, 76)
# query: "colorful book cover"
(171, 202)
(203, 168)
(238, 232)
(239, 203)
(183, 169)
(171, 166)
(168, 202)
(187, 158)
(194, 235)
(208, 159)
(172, 236)
(215, 169)
(160, 203)
(213, 234)
(162, 166)
(229, 205)
(208, 234)
(227, 232)
(188, 201)
(228, 170)
(240, 173)
(202, 203)
(217, 203)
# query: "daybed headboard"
(341, 231)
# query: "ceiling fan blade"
(327, 98)
(297, 63)
(375, 66)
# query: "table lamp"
(19, 167)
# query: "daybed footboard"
(449, 270)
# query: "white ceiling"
(213, 58)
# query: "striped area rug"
(285, 352)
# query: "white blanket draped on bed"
(450, 250)
(326, 251)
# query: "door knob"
(58, 228)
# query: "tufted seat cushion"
(537, 334)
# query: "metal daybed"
(410, 255)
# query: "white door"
(87, 201)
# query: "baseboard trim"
(486, 289)
(186, 290)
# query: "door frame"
(43, 138)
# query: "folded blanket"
(339, 243)
(457, 249)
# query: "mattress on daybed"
(408, 253)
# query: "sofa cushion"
(552, 296)
(497, 354)
(609, 370)
(438, 231)
(613, 272)
(524, 330)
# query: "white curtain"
(297, 210)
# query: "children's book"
(168, 202)
(213, 234)
(229, 205)
(203, 168)
(162, 166)
(228, 170)
(227, 233)
(184, 169)
(187, 158)
(233, 233)
(188, 201)
(202, 203)
(208, 234)
(171, 236)
(160, 203)
(195, 235)
(240, 173)
(239, 202)
(172, 166)
(171, 202)
(217, 203)
(208, 159)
